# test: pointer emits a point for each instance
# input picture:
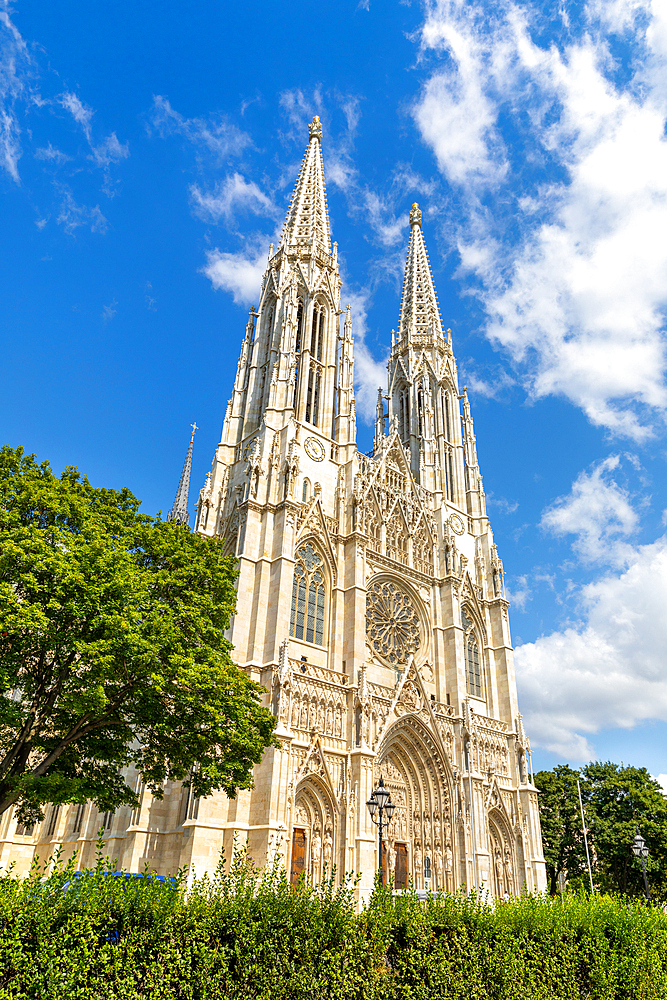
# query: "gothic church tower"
(370, 605)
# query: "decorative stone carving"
(393, 627)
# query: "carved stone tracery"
(393, 626)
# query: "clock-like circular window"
(393, 625)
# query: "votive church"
(371, 606)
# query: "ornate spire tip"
(415, 215)
(315, 128)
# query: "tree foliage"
(618, 801)
(112, 649)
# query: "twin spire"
(307, 222)
(307, 229)
(420, 314)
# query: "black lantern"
(380, 805)
(640, 850)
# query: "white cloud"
(109, 311)
(215, 134)
(599, 512)
(518, 591)
(80, 112)
(608, 670)
(228, 196)
(369, 373)
(662, 778)
(110, 150)
(15, 70)
(578, 300)
(457, 120)
(51, 153)
(72, 215)
(388, 229)
(238, 273)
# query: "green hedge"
(246, 935)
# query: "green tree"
(560, 818)
(617, 802)
(112, 649)
(620, 801)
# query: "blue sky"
(147, 154)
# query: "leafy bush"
(248, 934)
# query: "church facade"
(371, 605)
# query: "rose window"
(392, 622)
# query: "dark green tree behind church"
(112, 649)
(618, 801)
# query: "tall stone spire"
(307, 221)
(179, 512)
(423, 382)
(420, 314)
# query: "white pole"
(583, 825)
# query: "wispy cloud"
(108, 312)
(19, 73)
(370, 374)
(233, 194)
(72, 215)
(80, 112)
(51, 154)
(16, 70)
(110, 150)
(215, 134)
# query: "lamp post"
(640, 850)
(379, 805)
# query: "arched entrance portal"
(418, 775)
(314, 833)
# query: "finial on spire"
(179, 512)
(415, 215)
(315, 128)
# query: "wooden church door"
(401, 870)
(298, 855)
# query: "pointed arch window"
(315, 369)
(471, 647)
(308, 596)
(317, 332)
(305, 494)
(297, 350)
(299, 326)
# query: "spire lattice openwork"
(179, 512)
(420, 314)
(307, 221)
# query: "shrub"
(249, 934)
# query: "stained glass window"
(307, 618)
(473, 673)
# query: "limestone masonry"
(371, 605)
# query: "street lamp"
(640, 850)
(379, 805)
